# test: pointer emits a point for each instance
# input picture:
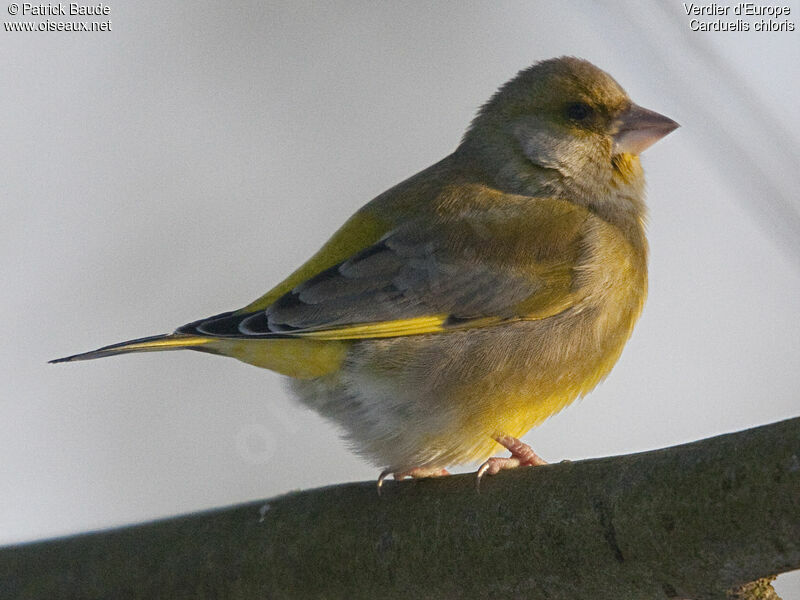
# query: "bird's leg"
(522, 455)
(416, 473)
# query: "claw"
(381, 478)
(522, 455)
(416, 473)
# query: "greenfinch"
(465, 305)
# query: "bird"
(470, 302)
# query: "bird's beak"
(639, 128)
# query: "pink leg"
(522, 455)
(416, 473)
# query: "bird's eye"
(578, 111)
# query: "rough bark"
(706, 520)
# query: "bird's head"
(563, 125)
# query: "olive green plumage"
(476, 298)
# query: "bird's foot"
(522, 455)
(417, 473)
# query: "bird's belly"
(437, 400)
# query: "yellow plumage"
(475, 299)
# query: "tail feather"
(169, 341)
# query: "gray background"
(184, 162)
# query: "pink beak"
(639, 129)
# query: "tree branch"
(704, 521)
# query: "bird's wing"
(473, 268)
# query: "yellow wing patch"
(381, 329)
(415, 326)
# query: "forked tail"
(168, 341)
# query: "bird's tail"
(168, 341)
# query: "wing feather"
(477, 269)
